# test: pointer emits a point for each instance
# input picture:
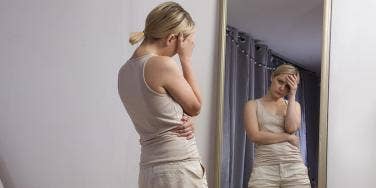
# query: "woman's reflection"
(271, 122)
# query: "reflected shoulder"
(250, 103)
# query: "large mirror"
(273, 93)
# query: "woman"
(156, 95)
(271, 123)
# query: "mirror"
(268, 133)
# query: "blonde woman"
(156, 95)
(271, 123)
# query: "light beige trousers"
(182, 174)
(289, 175)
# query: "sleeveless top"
(273, 154)
(153, 115)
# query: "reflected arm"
(293, 116)
(252, 128)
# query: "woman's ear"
(171, 38)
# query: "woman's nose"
(282, 88)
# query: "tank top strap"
(142, 58)
(259, 105)
(146, 57)
(145, 61)
(259, 110)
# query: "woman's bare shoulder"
(163, 63)
(251, 103)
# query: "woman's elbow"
(194, 109)
(254, 139)
(251, 134)
(291, 129)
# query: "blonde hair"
(165, 19)
(285, 69)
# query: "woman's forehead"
(284, 75)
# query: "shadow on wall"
(5, 179)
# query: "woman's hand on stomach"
(186, 128)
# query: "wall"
(351, 139)
(61, 120)
(132, 145)
(62, 124)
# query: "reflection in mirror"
(270, 131)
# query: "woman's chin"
(278, 95)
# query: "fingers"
(186, 129)
(183, 128)
(296, 143)
(183, 134)
(180, 40)
(290, 83)
(185, 118)
(186, 134)
(191, 39)
(188, 39)
(294, 140)
(289, 79)
(180, 37)
(190, 137)
(292, 80)
(187, 126)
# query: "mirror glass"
(270, 133)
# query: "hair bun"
(136, 37)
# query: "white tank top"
(153, 115)
(273, 154)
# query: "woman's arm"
(185, 48)
(186, 92)
(262, 137)
(162, 74)
(293, 114)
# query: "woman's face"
(279, 87)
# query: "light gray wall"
(62, 123)
(132, 145)
(351, 149)
(61, 120)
